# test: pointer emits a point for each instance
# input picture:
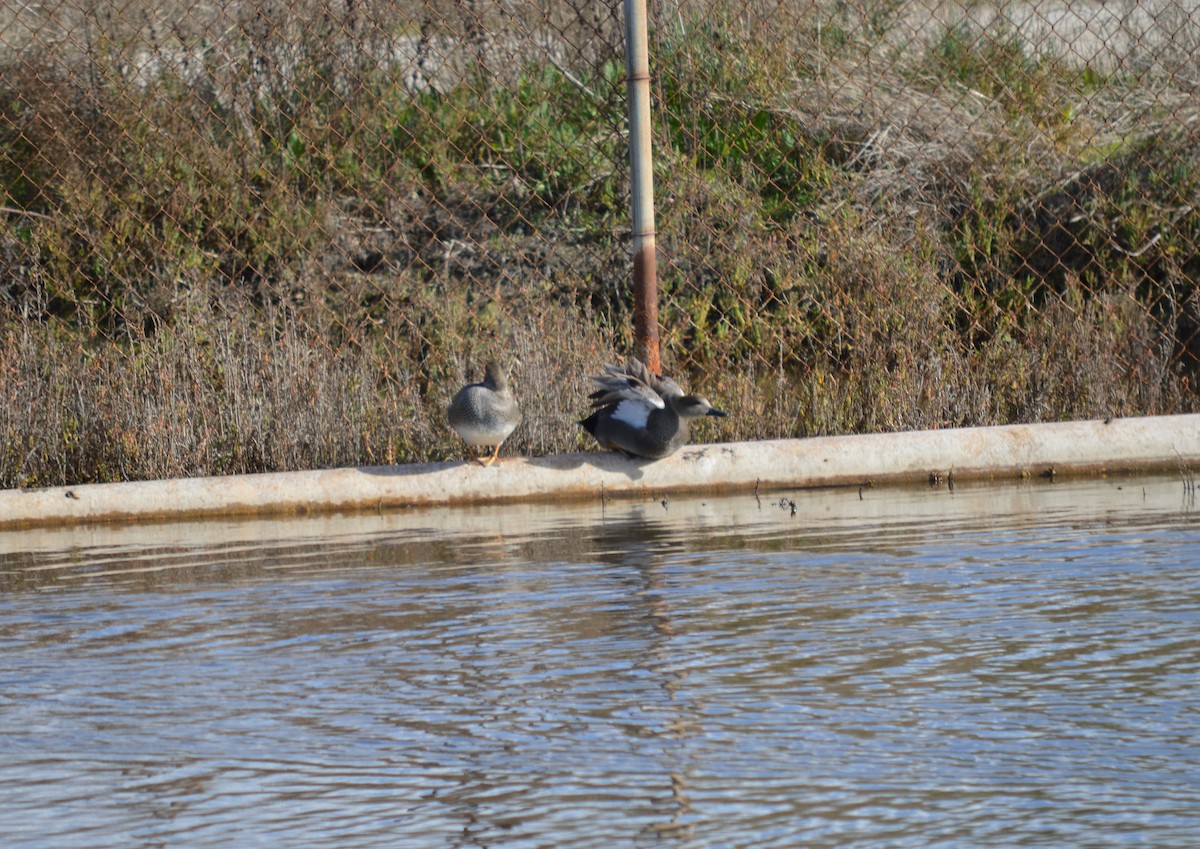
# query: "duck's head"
(495, 376)
(693, 407)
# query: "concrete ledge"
(1164, 443)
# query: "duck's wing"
(636, 369)
(615, 392)
(633, 368)
(666, 387)
(626, 384)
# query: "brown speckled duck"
(485, 413)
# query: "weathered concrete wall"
(882, 518)
(1166, 443)
(1106, 36)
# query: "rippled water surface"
(1007, 666)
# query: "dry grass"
(232, 393)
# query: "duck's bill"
(715, 412)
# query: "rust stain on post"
(645, 303)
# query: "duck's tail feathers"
(589, 424)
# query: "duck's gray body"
(642, 414)
(485, 413)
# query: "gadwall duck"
(642, 414)
(485, 413)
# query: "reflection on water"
(985, 667)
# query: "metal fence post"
(645, 261)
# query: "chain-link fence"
(244, 236)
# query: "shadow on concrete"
(604, 461)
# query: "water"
(1006, 666)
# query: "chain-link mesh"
(240, 237)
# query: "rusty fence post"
(645, 260)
